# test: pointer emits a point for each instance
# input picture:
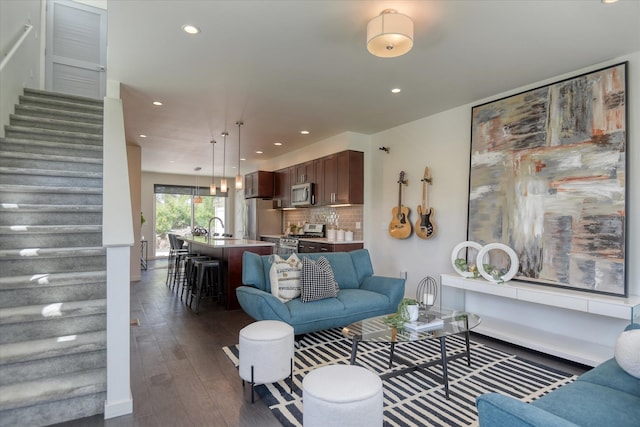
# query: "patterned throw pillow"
(317, 280)
(285, 277)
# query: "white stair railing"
(15, 47)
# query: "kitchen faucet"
(209, 226)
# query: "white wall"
(24, 68)
(442, 142)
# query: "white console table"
(578, 326)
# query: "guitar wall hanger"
(385, 149)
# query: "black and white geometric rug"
(414, 399)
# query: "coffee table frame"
(388, 335)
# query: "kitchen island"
(229, 251)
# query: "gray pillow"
(317, 280)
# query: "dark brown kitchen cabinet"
(340, 178)
(282, 188)
(306, 246)
(304, 172)
(258, 184)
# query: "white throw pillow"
(285, 277)
(627, 352)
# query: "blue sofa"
(361, 294)
(604, 396)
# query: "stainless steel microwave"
(302, 194)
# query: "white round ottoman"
(266, 353)
(342, 395)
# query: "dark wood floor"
(181, 377)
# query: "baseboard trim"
(119, 408)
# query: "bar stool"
(205, 269)
(175, 250)
(188, 277)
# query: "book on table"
(424, 324)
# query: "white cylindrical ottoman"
(342, 395)
(266, 353)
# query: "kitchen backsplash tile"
(344, 218)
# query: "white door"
(76, 49)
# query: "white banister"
(16, 46)
(117, 237)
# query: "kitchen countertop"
(315, 239)
(225, 242)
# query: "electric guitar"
(425, 229)
(400, 226)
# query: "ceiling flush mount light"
(390, 34)
(157, 103)
(142, 135)
(277, 143)
(212, 187)
(223, 181)
(304, 132)
(190, 29)
(238, 176)
(396, 90)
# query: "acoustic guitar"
(400, 226)
(425, 229)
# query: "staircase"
(52, 263)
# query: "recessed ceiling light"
(277, 143)
(142, 135)
(190, 29)
(304, 132)
(157, 103)
(609, 1)
(396, 90)
(258, 152)
(242, 158)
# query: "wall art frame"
(548, 178)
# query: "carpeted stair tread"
(33, 313)
(49, 190)
(55, 124)
(50, 134)
(19, 230)
(6, 254)
(50, 172)
(46, 280)
(75, 99)
(30, 207)
(61, 104)
(53, 388)
(35, 111)
(50, 347)
(51, 157)
(30, 145)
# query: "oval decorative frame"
(454, 255)
(513, 269)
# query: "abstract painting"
(547, 178)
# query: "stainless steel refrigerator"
(259, 218)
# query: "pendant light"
(212, 187)
(223, 181)
(197, 198)
(238, 176)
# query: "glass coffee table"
(452, 323)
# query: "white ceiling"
(284, 66)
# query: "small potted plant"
(407, 312)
